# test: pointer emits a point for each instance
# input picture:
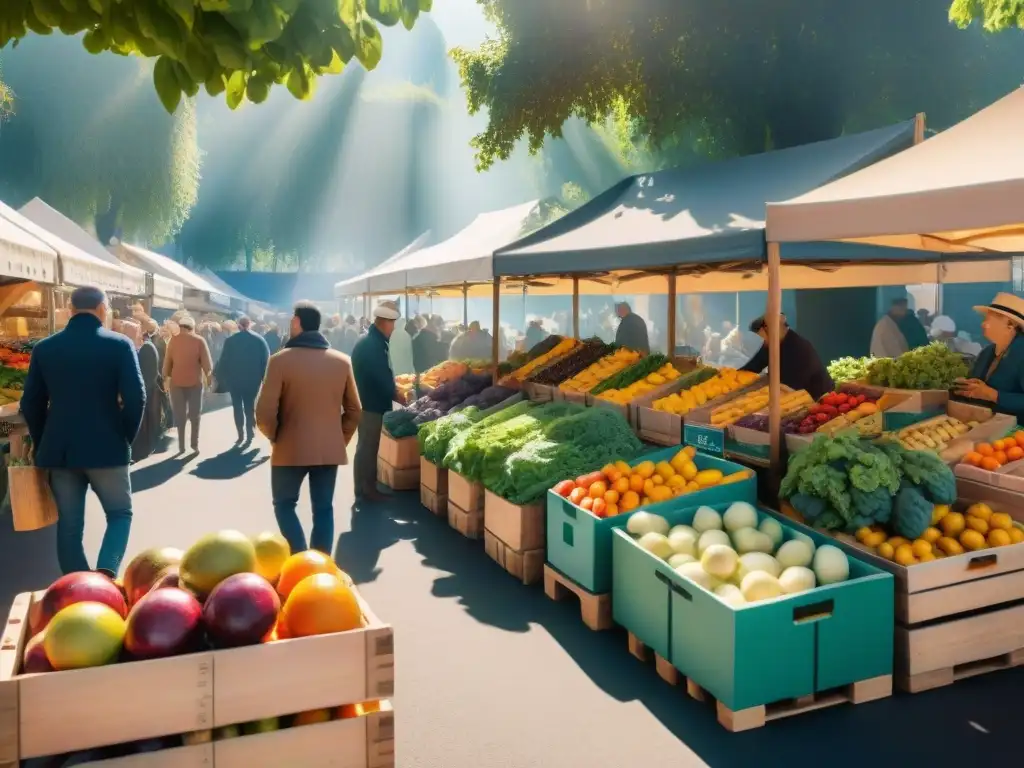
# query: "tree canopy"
(90, 138)
(737, 76)
(994, 15)
(240, 48)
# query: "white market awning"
(360, 284)
(961, 191)
(167, 267)
(133, 281)
(23, 256)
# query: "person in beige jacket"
(308, 408)
(186, 365)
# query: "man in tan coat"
(309, 410)
(187, 365)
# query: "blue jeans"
(113, 486)
(285, 484)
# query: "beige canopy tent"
(24, 256)
(961, 191)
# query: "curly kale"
(935, 478)
(912, 513)
(871, 507)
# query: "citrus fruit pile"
(950, 533)
(619, 488)
(227, 590)
(992, 456)
(728, 380)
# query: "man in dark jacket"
(153, 418)
(240, 371)
(376, 384)
(632, 331)
(273, 339)
(83, 404)
(799, 364)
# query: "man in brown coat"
(187, 365)
(309, 410)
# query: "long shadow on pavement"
(972, 721)
(233, 463)
(28, 560)
(152, 475)
(374, 528)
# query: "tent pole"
(919, 127)
(495, 314)
(671, 315)
(465, 304)
(575, 307)
(524, 307)
(772, 316)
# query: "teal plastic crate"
(764, 652)
(580, 543)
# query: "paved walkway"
(490, 674)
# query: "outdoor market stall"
(200, 295)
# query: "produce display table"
(398, 462)
(514, 537)
(68, 711)
(465, 505)
(433, 487)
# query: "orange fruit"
(312, 716)
(630, 501)
(997, 445)
(299, 566)
(612, 510)
(1000, 456)
(973, 458)
(587, 503)
(622, 485)
(636, 483)
(319, 605)
(577, 495)
(599, 507)
(1019, 437)
(347, 711)
(611, 497)
(1016, 453)
(990, 463)
(597, 490)
(984, 449)
(607, 470)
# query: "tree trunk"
(250, 254)
(106, 223)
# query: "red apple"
(81, 587)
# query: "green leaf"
(426, 6)
(95, 41)
(335, 67)
(49, 12)
(186, 82)
(410, 12)
(235, 90)
(184, 9)
(342, 41)
(387, 12)
(301, 83)
(215, 84)
(369, 44)
(166, 84)
(100, 6)
(257, 89)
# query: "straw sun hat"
(1008, 305)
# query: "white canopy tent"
(22, 255)
(360, 284)
(961, 191)
(52, 220)
(197, 288)
(77, 267)
(464, 259)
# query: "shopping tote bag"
(32, 504)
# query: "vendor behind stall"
(801, 368)
(997, 378)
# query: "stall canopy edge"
(960, 191)
(22, 255)
(709, 213)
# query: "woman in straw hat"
(997, 378)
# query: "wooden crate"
(59, 712)
(70, 711)
(538, 393)
(464, 493)
(526, 566)
(520, 527)
(958, 616)
(435, 502)
(469, 524)
(198, 756)
(859, 692)
(397, 479)
(596, 609)
(399, 452)
(433, 477)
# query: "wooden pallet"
(596, 609)
(755, 717)
(526, 566)
(938, 678)
(435, 502)
(469, 524)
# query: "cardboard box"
(397, 479)
(526, 566)
(464, 493)
(433, 477)
(519, 527)
(400, 452)
(469, 524)
(435, 502)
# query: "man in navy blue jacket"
(240, 371)
(83, 404)
(371, 367)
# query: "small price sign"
(709, 440)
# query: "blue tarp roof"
(711, 213)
